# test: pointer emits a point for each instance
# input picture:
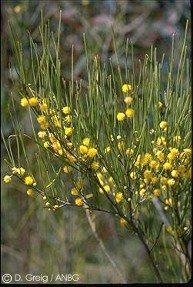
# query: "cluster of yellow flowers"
(77, 192)
(157, 172)
(27, 180)
(129, 113)
(32, 102)
(84, 152)
(161, 172)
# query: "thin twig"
(156, 240)
(92, 225)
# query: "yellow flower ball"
(71, 158)
(126, 88)
(119, 197)
(130, 113)
(68, 119)
(41, 119)
(7, 178)
(174, 173)
(153, 164)
(142, 191)
(174, 151)
(163, 125)
(42, 134)
(66, 110)
(95, 165)
(44, 107)
(154, 179)
(187, 151)
(164, 187)
(70, 145)
(92, 152)
(24, 102)
(46, 144)
(171, 156)
(83, 149)
(146, 158)
(147, 174)
(78, 201)
(17, 9)
(33, 102)
(128, 100)
(74, 191)
(163, 180)
(67, 169)
(68, 131)
(171, 182)
(44, 126)
(167, 166)
(110, 179)
(30, 192)
(28, 180)
(86, 141)
(120, 116)
(156, 192)
(123, 221)
(107, 188)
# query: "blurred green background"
(35, 240)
